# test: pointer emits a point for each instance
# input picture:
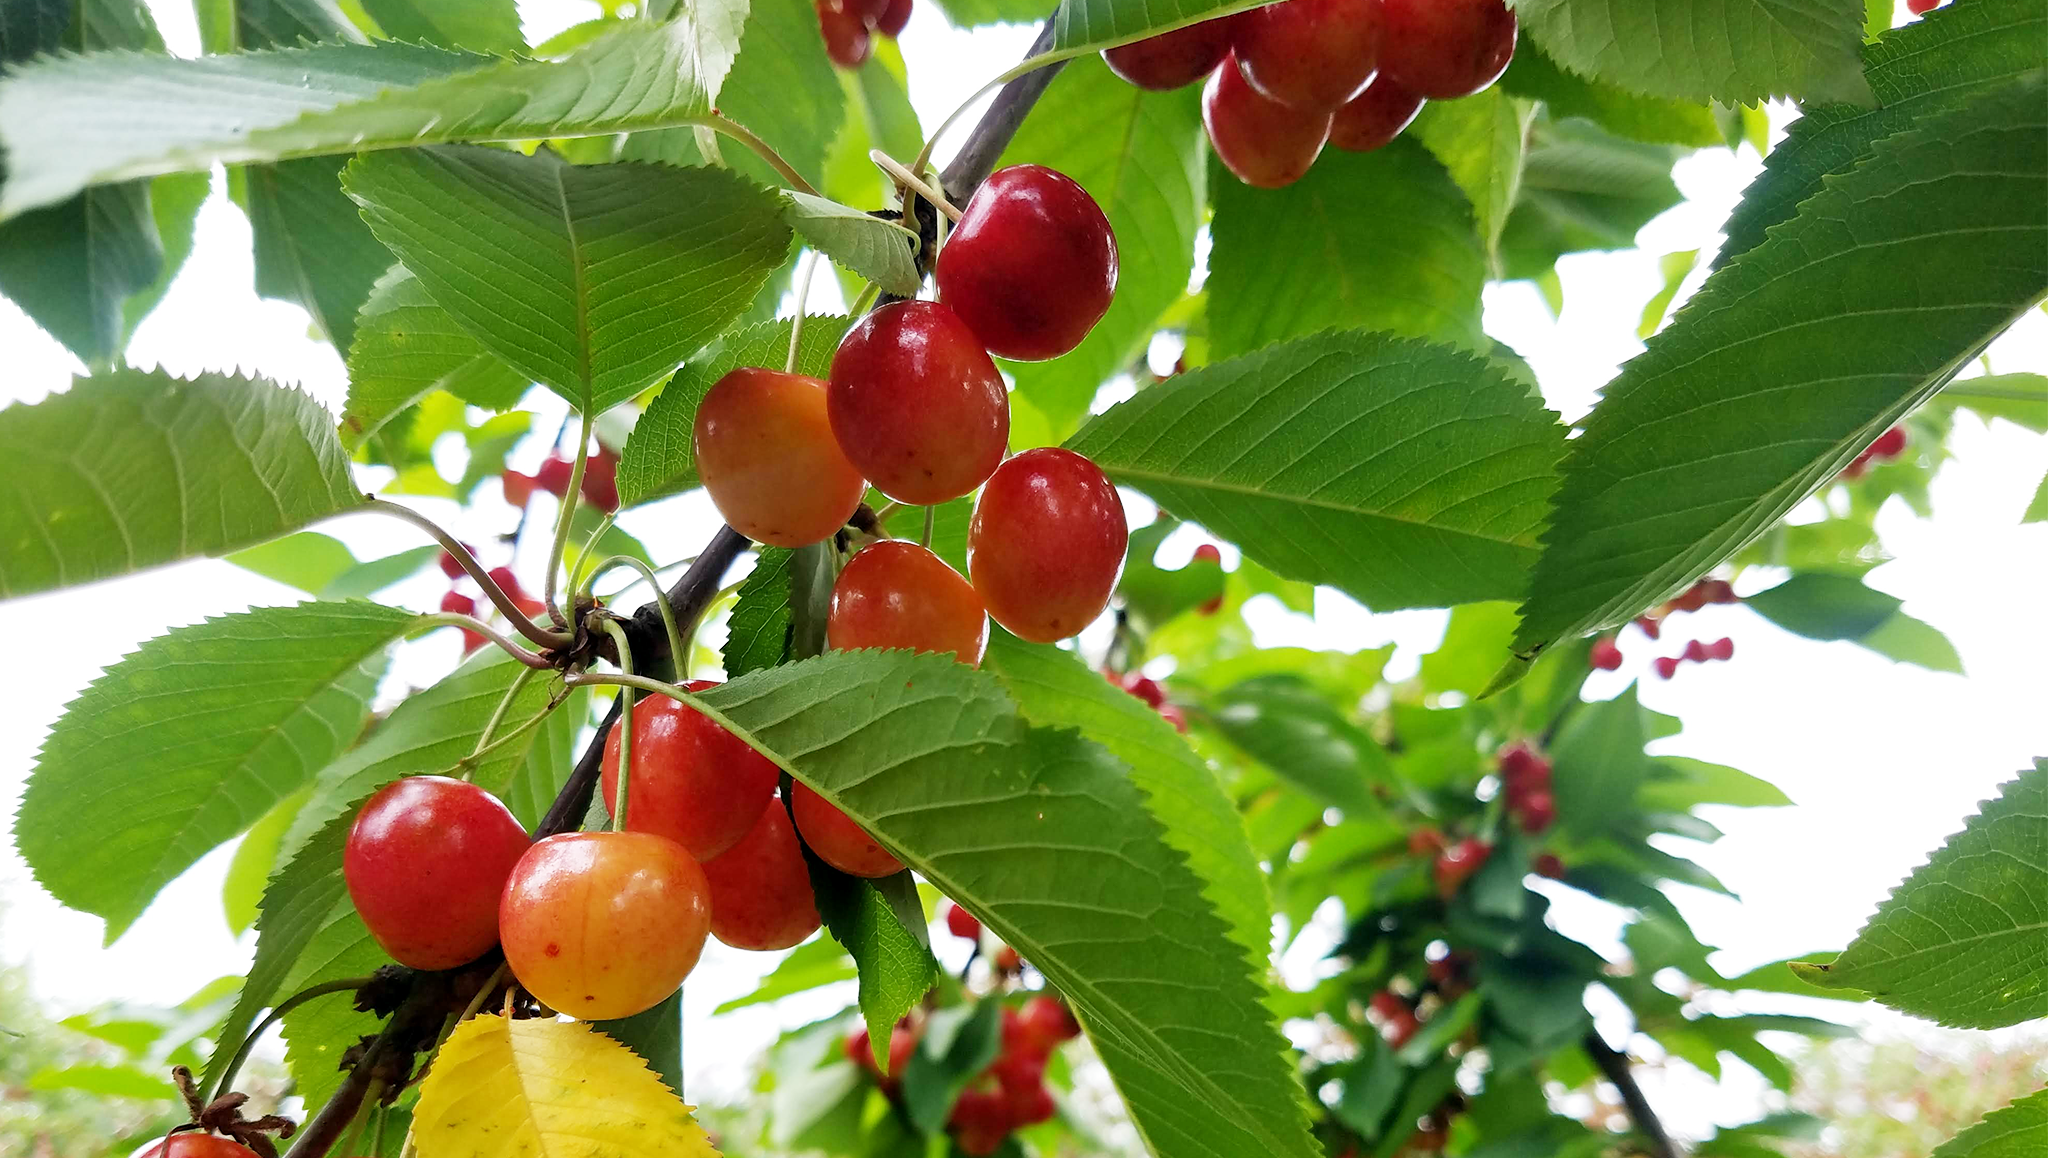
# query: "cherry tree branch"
(1614, 1065)
(991, 135)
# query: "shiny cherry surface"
(1046, 543)
(1444, 49)
(1375, 117)
(898, 594)
(916, 405)
(424, 864)
(765, 451)
(693, 782)
(1031, 266)
(192, 1144)
(837, 840)
(761, 889)
(1310, 54)
(1174, 59)
(1262, 141)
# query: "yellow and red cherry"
(1445, 49)
(692, 781)
(764, 448)
(837, 840)
(1263, 142)
(1310, 54)
(425, 862)
(1045, 544)
(916, 405)
(898, 594)
(761, 889)
(845, 29)
(1174, 59)
(1031, 266)
(601, 925)
(1374, 117)
(192, 1144)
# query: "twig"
(977, 158)
(1614, 1064)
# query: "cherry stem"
(889, 508)
(765, 151)
(234, 1066)
(461, 555)
(931, 517)
(867, 296)
(668, 613)
(568, 511)
(483, 738)
(796, 324)
(374, 1095)
(472, 623)
(910, 180)
(618, 635)
(576, 583)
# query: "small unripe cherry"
(1265, 143)
(897, 594)
(915, 404)
(1174, 59)
(192, 1144)
(761, 888)
(1208, 553)
(425, 862)
(1375, 117)
(847, 43)
(692, 781)
(1310, 54)
(1046, 543)
(894, 18)
(961, 923)
(1606, 654)
(765, 450)
(839, 841)
(1444, 49)
(1031, 265)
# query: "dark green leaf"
(1734, 51)
(406, 347)
(877, 248)
(1082, 26)
(958, 1044)
(70, 266)
(757, 633)
(312, 247)
(1583, 188)
(1627, 114)
(1290, 728)
(174, 200)
(1598, 763)
(1824, 606)
(893, 963)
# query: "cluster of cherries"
(1606, 653)
(848, 27)
(1398, 1018)
(1152, 692)
(1008, 1095)
(1288, 78)
(915, 406)
(1888, 446)
(600, 480)
(1525, 785)
(461, 603)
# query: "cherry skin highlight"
(760, 888)
(1174, 59)
(1031, 266)
(1046, 543)
(897, 594)
(1265, 143)
(1310, 54)
(1375, 117)
(600, 925)
(693, 782)
(424, 864)
(765, 451)
(916, 405)
(837, 840)
(192, 1145)
(1445, 49)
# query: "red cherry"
(1172, 714)
(1400, 1029)
(1718, 591)
(1890, 444)
(1696, 651)
(1649, 625)
(459, 604)
(897, 594)
(1310, 54)
(1458, 862)
(1047, 1022)
(518, 488)
(1209, 553)
(765, 451)
(1449, 969)
(1375, 116)
(847, 43)
(1549, 864)
(1445, 49)
(1019, 1070)
(553, 475)
(894, 18)
(601, 480)
(860, 1052)
(506, 581)
(192, 1144)
(916, 404)
(1858, 467)
(1031, 266)
(1666, 666)
(961, 923)
(1031, 1106)
(1922, 7)
(1045, 544)
(1388, 1005)
(1007, 961)
(760, 888)
(1262, 141)
(1427, 841)
(602, 925)
(980, 1120)
(1174, 59)
(450, 567)
(1723, 648)
(1606, 655)
(693, 782)
(1538, 811)
(424, 864)
(839, 841)
(902, 1044)
(870, 11)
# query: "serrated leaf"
(1082, 26)
(1378, 241)
(135, 469)
(1680, 784)
(406, 348)
(174, 200)
(312, 248)
(757, 632)
(1583, 188)
(877, 248)
(1964, 940)
(2037, 511)
(540, 1088)
(2021, 399)
(1406, 474)
(1598, 763)
(2017, 1131)
(1632, 115)
(1733, 51)
(974, 13)
(873, 921)
(189, 740)
(1479, 141)
(1792, 358)
(592, 279)
(477, 25)
(655, 1035)
(1824, 606)
(318, 1034)
(230, 25)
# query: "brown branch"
(1614, 1064)
(977, 158)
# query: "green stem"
(796, 324)
(461, 555)
(561, 542)
(371, 1098)
(618, 635)
(661, 603)
(866, 298)
(909, 179)
(483, 738)
(765, 151)
(234, 1066)
(931, 518)
(462, 769)
(435, 619)
(576, 583)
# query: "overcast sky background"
(1882, 760)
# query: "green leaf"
(878, 116)
(1824, 606)
(405, 348)
(659, 459)
(112, 1081)
(2037, 511)
(1583, 188)
(307, 560)
(1474, 641)
(1479, 141)
(1680, 784)
(1632, 115)
(70, 266)
(229, 25)
(312, 248)
(657, 1036)
(1406, 474)
(1811, 337)
(1116, 921)
(2018, 1130)
(877, 248)
(318, 1033)
(757, 632)
(1733, 51)
(1140, 155)
(1152, 595)
(811, 965)
(1289, 727)
(1082, 26)
(190, 740)
(974, 13)
(2021, 399)
(891, 958)
(1598, 763)
(592, 279)
(477, 25)
(958, 1044)
(366, 579)
(1931, 65)
(255, 856)
(1379, 241)
(1964, 941)
(135, 469)
(174, 200)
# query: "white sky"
(1883, 760)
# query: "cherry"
(1400, 1029)
(1890, 444)
(1549, 864)
(1444, 49)
(507, 581)
(553, 475)
(1718, 591)
(1389, 1005)
(450, 567)
(760, 888)
(192, 1144)
(518, 488)
(1696, 652)
(1263, 141)
(1210, 553)
(847, 43)
(1922, 7)
(459, 604)
(1457, 863)
(1650, 625)
(897, 594)
(961, 923)
(765, 451)
(1008, 962)
(1046, 1022)
(1426, 841)
(980, 1120)
(839, 841)
(602, 925)
(1045, 544)
(1537, 811)
(424, 864)
(1310, 54)
(1174, 59)
(1029, 1107)
(1523, 769)
(1723, 648)
(1666, 666)
(1606, 655)
(1374, 117)
(601, 480)
(1172, 714)
(1141, 686)
(894, 18)
(1031, 265)
(916, 404)
(693, 782)
(1019, 1070)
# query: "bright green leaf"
(2017, 1131)
(1824, 606)
(111, 1081)
(406, 348)
(241, 893)
(877, 248)
(307, 560)
(1479, 140)
(368, 578)
(656, 1035)
(1082, 26)
(2021, 399)
(1734, 51)
(1675, 268)
(2037, 511)
(1290, 728)
(1632, 115)
(1680, 784)
(815, 963)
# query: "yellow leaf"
(540, 1088)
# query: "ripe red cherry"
(457, 602)
(1400, 1029)
(1458, 862)
(1031, 266)
(1549, 864)
(961, 923)
(1389, 1005)
(845, 30)
(916, 404)
(450, 567)
(1375, 116)
(1666, 666)
(424, 864)
(1174, 59)
(1263, 141)
(192, 1144)
(1523, 769)
(1047, 1022)
(1008, 961)
(553, 475)
(517, 487)
(1426, 841)
(1310, 54)
(1209, 553)
(1723, 648)
(897, 594)
(765, 451)
(1444, 49)
(1890, 444)
(1045, 544)
(837, 840)
(1606, 655)
(600, 925)
(1922, 7)
(1538, 811)
(693, 782)
(601, 480)
(760, 888)
(1029, 1107)
(894, 18)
